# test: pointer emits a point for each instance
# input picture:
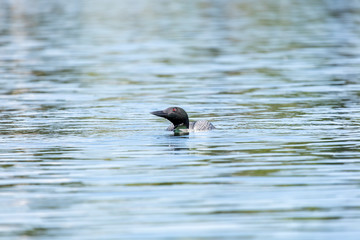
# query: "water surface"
(82, 158)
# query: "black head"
(176, 115)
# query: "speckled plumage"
(201, 125)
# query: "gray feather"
(201, 125)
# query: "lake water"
(82, 157)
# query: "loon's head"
(176, 115)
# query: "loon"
(180, 121)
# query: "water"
(82, 158)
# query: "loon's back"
(201, 125)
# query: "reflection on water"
(82, 157)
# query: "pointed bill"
(159, 114)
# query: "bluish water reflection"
(82, 158)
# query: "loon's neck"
(183, 125)
(181, 128)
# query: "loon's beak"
(160, 114)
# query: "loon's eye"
(174, 109)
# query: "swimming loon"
(180, 120)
